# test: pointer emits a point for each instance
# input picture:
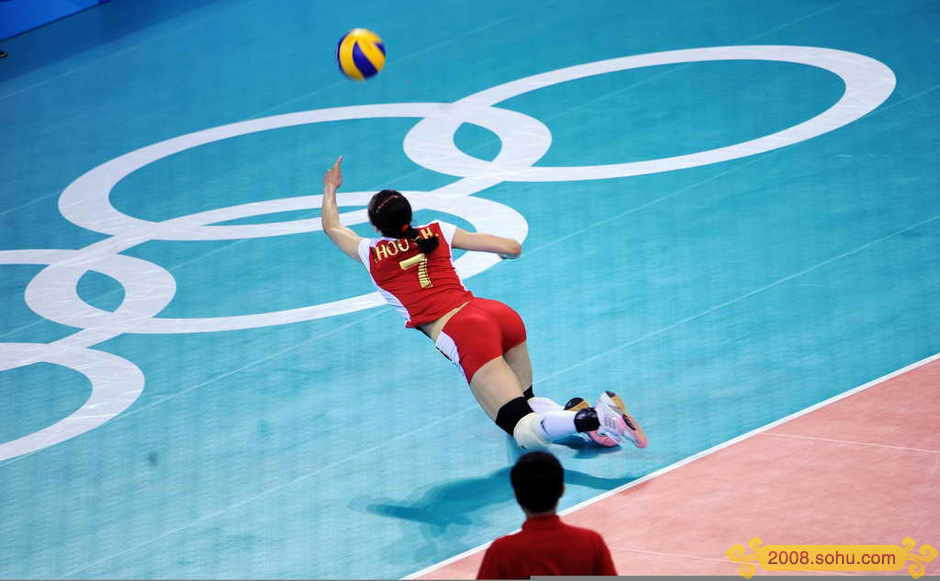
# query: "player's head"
(538, 481)
(390, 213)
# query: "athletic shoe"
(617, 425)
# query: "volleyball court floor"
(729, 212)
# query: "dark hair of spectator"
(538, 481)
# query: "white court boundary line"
(702, 454)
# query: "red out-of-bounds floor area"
(861, 470)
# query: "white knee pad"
(528, 433)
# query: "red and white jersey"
(421, 288)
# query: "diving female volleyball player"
(412, 268)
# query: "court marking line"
(31, 202)
(675, 555)
(916, 95)
(476, 407)
(799, 20)
(928, 517)
(699, 455)
(851, 442)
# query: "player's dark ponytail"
(427, 245)
(390, 212)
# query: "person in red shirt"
(545, 545)
(412, 268)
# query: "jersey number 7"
(421, 261)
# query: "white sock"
(557, 424)
(542, 405)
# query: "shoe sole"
(639, 436)
(605, 436)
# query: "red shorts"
(480, 332)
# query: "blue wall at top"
(17, 16)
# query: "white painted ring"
(86, 201)
(868, 83)
(116, 383)
(149, 288)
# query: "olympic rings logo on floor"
(148, 288)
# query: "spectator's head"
(539, 481)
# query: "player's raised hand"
(333, 178)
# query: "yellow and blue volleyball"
(360, 54)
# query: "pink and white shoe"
(617, 425)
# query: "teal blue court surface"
(730, 212)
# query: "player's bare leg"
(496, 387)
(518, 360)
(493, 385)
(521, 365)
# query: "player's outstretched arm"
(343, 237)
(505, 247)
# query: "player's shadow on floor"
(449, 510)
(456, 501)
